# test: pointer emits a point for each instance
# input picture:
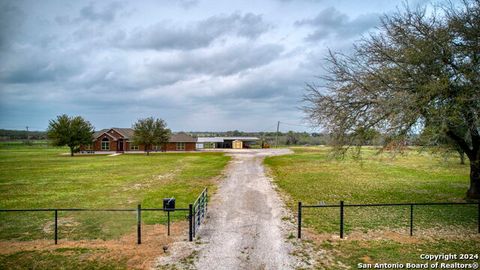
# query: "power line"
(268, 128)
(298, 125)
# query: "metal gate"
(199, 210)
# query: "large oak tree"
(419, 73)
(70, 131)
(150, 132)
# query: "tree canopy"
(150, 131)
(70, 131)
(419, 73)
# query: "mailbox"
(169, 204)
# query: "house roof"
(209, 139)
(182, 137)
(223, 139)
(97, 134)
(240, 138)
(127, 133)
(102, 132)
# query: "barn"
(121, 140)
(226, 142)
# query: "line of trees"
(12, 135)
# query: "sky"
(200, 65)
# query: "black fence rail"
(342, 206)
(195, 211)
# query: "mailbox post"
(168, 205)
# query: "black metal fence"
(195, 211)
(342, 206)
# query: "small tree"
(150, 132)
(70, 131)
(292, 138)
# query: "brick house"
(121, 140)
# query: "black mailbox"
(169, 203)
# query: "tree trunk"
(474, 190)
(473, 154)
(71, 151)
(462, 157)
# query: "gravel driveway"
(245, 228)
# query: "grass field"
(61, 258)
(39, 176)
(312, 176)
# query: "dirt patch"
(165, 176)
(366, 259)
(64, 222)
(154, 238)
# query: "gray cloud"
(165, 35)
(188, 3)
(220, 61)
(330, 22)
(106, 14)
(194, 64)
(11, 18)
(34, 65)
(93, 13)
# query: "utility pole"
(28, 137)
(276, 135)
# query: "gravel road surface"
(245, 228)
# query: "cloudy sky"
(198, 64)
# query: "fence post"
(411, 219)
(56, 226)
(204, 203)
(190, 222)
(341, 219)
(139, 224)
(168, 223)
(194, 219)
(299, 233)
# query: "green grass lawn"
(312, 175)
(61, 258)
(348, 254)
(38, 176)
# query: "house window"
(105, 144)
(155, 147)
(88, 147)
(180, 146)
(133, 147)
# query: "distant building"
(121, 140)
(226, 142)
